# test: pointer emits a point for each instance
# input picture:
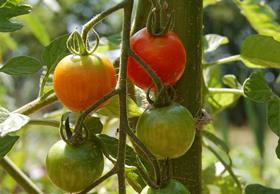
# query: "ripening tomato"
(172, 187)
(168, 132)
(73, 168)
(80, 81)
(165, 54)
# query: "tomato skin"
(165, 54)
(74, 168)
(168, 132)
(80, 81)
(172, 187)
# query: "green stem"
(51, 123)
(157, 18)
(223, 61)
(91, 23)
(19, 176)
(141, 16)
(228, 168)
(36, 105)
(122, 84)
(225, 91)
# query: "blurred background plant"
(243, 126)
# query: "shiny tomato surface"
(79, 81)
(165, 54)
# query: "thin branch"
(90, 24)
(223, 61)
(225, 91)
(152, 159)
(19, 176)
(51, 123)
(100, 180)
(228, 168)
(147, 68)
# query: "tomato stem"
(222, 61)
(225, 91)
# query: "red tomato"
(165, 54)
(80, 81)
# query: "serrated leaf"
(54, 52)
(11, 122)
(21, 65)
(213, 41)
(13, 11)
(273, 115)
(6, 144)
(112, 108)
(259, 51)
(256, 88)
(8, 26)
(259, 189)
(261, 17)
(111, 146)
(216, 140)
(231, 81)
(37, 28)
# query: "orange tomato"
(80, 81)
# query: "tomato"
(79, 81)
(168, 132)
(172, 187)
(74, 168)
(165, 54)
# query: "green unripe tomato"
(172, 187)
(168, 132)
(73, 168)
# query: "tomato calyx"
(154, 23)
(164, 97)
(77, 46)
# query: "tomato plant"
(73, 168)
(172, 187)
(165, 55)
(167, 131)
(79, 81)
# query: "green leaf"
(37, 28)
(7, 26)
(213, 41)
(6, 144)
(13, 11)
(11, 122)
(93, 124)
(216, 140)
(221, 101)
(21, 65)
(54, 52)
(261, 17)
(259, 189)
(273, 115)
(135, 180)
(7, 42)
(112, 108)
(209, 2)
(256, 89)
(231, 81)
(259, 51)
(111, 147)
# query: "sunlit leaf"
(6, 144)
(259, 51)
(261, 17)
(11, 122)
(213, 41)
(21, 65)
(273, 115)
(231, 81)
(259, 189)
(256, 88)
(209, 2)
